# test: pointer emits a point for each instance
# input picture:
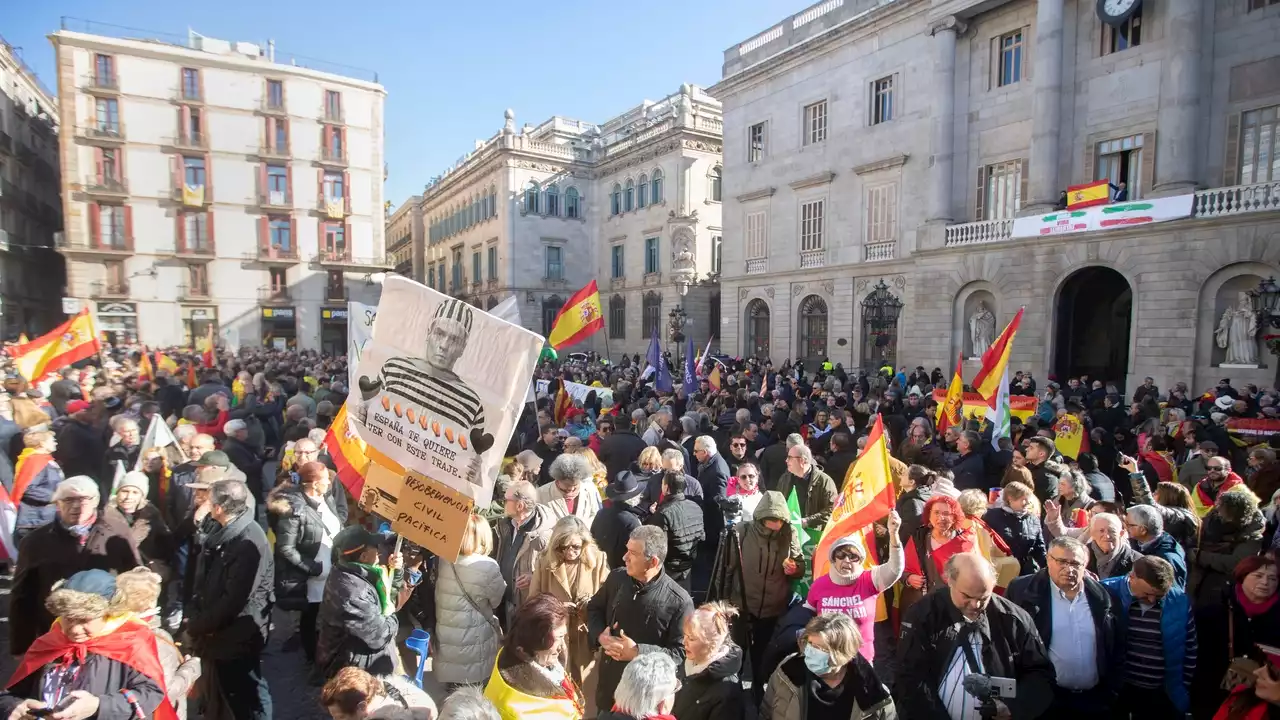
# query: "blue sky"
(451, 68)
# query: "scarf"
(30, 464)
(1254, 609)
(1166, 471)
(132, 644)
(80, 531)
(692, 668)
(1105, 560)
(1205, 496)
(381, 585)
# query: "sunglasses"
(847, 556)
(737, 444)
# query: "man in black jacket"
(82, 443)
(681, 519)
(612, 526)
(231, 605)
(1040, 451)
(639, 609)
(970, 471)
(933, 659)
(619, 449)
(355, 629)
(1064, 598)
(244, 456)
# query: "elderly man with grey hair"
(672, 461)
(657, 427)
(1146, 531)
(647, 690)
(468, 703)
(572, 490)
(1110, 553)
(638, 611)
(713, 476)
(81, 538)
(247, 458)
(815, 490)
(520, 537)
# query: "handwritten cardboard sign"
(432, 515)
(382, 487)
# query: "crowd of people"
(647, 554)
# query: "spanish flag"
(578, 319)
(145, 370)
(714, 378)
(166, 363)
(192, 382)
(995, 360)
(867, 496)
(349, 454)
(70, 342)
(206, 354)
(1070, 437)
(1088, 195)
(563, 402)
(949, 410)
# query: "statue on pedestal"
(1238, 333)
(982, 329)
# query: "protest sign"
(441, 386)
(382, 486)
(359, 332)
(431, 514)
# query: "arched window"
(657, 187)
(757, 330)
(716, 179)
(652, 313)
(642, 197)
(572, 208)
(615, 200)
(813, 329)
(531, 198)
(629, 196)
(551, 200)
(617, 318)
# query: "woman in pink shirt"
(851, 590)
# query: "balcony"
(333, 208)
(617, 283)
(275, 107)
(194, 249)
(192, 196)
(274, 152)
(332, 115)
(813, 259)
(118, 244)
(339, 260)
(106, 188)
(275, 255)
(652, 278)
(109, 290)
(191, 141)
(874, 252)
(333, 157)
(107, 85)
(193, 293)
(274, 295)
(276, 201)
(335, 293)
(978, 233)
(110, 135)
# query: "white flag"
(160, 436)
(999, 416)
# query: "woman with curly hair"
(927, 550)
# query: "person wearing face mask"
(828, 678)
(530, 678)
(849, 589)
(712, 666)
(968, 629)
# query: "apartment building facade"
(889, 166)
(32, 274)
(405, 246)
(208, 186)
(633, 203)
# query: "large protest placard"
(439, 390)
(360, 319)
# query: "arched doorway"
(1094, 317)
(813, 331)
(757, 330)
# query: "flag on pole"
(714, 378)
(192, 382)
(563, 402)
(998, 416)
(690, 369)
(995, 360)
(161, 437)
(1070, 437)
(702, 356)
(145, 370)
(206, 356)
(662, 383)
(580, 318)
(348, 452)
(70, 342)
(797, 519)
(867, 496)
(166, 363)
(950, 413)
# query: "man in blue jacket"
(1145, 526)
(1155, 641)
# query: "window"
(551, 201)
(881, 214)
(457, 271)
(198, 279)
(617, 266)
(1000, 190)
(333, 106)
(335, 144)
(755, 233)
(715, 254)
(431, 276)
(493, 263)
(195, 230)
(278, 135)
(642, 192)
(275, 94)
(571, 206)
(1009, 70)
(1260, 145)
(531, 199)
(335, 288)
(629, 196)
(193, 171)
(617, 318)
(107, 115)
(493, 200)
(110, 165)
(1124, 36)
(477, 271)
(615, 200)
(190, 84)
(656, 187)
(278, 280)
(116, 276)
(1120, 161)
(277, 188)
(815, 122)
(1259, 4)
(811, 225)
(555, 268)
(335, 239)
(281, 233)
(882, 100)
(652, 314)
(651, 256)
(104, 71)
(334, 187)
(192, 128)
(755, 142)
(716, 179)
(111, 226)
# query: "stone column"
(944, 110)
(1177, 131)
(1046, 108)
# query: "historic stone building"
(540, 211)
(891, 164)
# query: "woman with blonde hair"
(827, 675)
(1016, 519)
(572, 570)
(139, 592)
(599, 473)
(35, 479)
(711, 666)
(467, 593)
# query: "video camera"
(986, 689)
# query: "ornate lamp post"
(676, 323)
(880, 312)
(1266, 303)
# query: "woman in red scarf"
(94, 662)
(1248, 614)
(941, 536)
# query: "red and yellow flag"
(1070, 437)
(995, 360)
(145, 370)
(714, 378)
(166, 363)
(23, 339)
(867, 497)
(973, 406)
(349, 453)
(1089, 194)
(949, 410)
(206, 354)
(70, 342)
(563, 402)
(578, 319)
(192, 382)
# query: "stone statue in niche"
(982, 329)
(682, 251)
(1238, 332)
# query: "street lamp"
(676, 323)
(1266, 303)
(880, 311)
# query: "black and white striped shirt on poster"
(961, 705)
(411, 379)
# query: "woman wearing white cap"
(150, 533)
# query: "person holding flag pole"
(950, 412)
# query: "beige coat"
(550, 497)
(574, 584)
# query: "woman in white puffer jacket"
(467, 592)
